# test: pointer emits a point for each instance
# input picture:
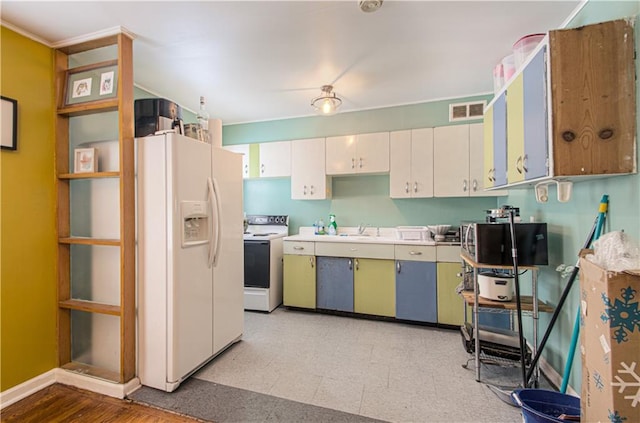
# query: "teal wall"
(366, 199)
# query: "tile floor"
(383, 370)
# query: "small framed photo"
(85, 160)
(9, 124)
(92, 83)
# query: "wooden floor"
(62, 403)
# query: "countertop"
(386, 236)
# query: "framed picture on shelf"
(9, 124)
(85, 160)
(91, 84)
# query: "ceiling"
(264, 60)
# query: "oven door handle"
(214, 239)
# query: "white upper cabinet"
(308, 178)
(275, 159)
(244, 150)
(363, 153)
(411, 163)
(459, 161)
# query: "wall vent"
(466, 111)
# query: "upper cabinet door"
(275, 159)
(400, 180)
(308, 178)
(515, 130)
(341, 155)
(372, 153)
(536, 145)
(244, 150)
(422, 163)
(451, 161)
(477, 172)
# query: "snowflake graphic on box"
(615, 417)
(622, 314)
(629, 379)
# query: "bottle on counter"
(333, 226)
(321, 227)
(203, 121)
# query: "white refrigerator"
(190, 256)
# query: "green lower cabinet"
(299, 281)
(450, 304)
(374, 288)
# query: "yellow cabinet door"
(450, 304)
(374, 288)
(299, 281)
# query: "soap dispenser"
(333, 226)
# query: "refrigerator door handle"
(217, 222)
(210, 200)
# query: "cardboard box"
(609, 344)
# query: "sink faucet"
(361, 228)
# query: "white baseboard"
(553, 376)
(31, 386)
(27, 388)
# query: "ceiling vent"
(466, 111)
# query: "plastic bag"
(615, 251)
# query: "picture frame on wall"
(85, 160)
(9, 123)
(93, 83)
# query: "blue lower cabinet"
(416, 295)
(334, 282)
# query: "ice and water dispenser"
(195, 223)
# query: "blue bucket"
(542, 405)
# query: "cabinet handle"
(605, 134)
(464, 185)
(415, 253)
(357, 264)
(353, 163)
(415, 187)
(350, 264)
(398, 266)
(304, 190)
(360, 162)
(475, 185)
(524, 163)
(353, 249)
(262, 168)
(298, 248)
(519, 165)
(311, 190)
(568, 136)
(311, 263)
(406, 187)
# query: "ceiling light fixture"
(369, 5)
(328, 103)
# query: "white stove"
(263, 261)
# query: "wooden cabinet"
(275, 159)
(570, 112)
(459, 162)
(334, 283)
(96, 323)
(308, 178)
(411, 163)
(352, 154)
(299, 274)
(374, 289)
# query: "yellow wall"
(27, 217)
